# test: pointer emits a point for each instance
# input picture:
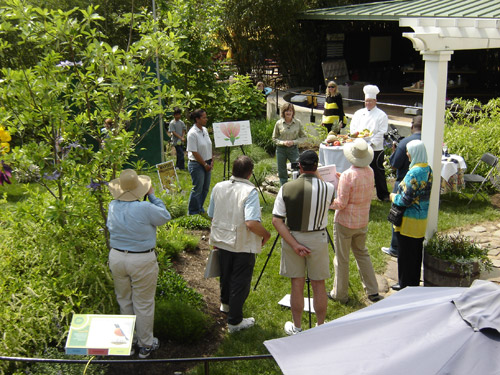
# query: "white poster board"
(167, 175)
(329, 174)
(232, 133)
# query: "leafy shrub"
(315, 135)
(179, 321)
(473, 130)
(40, 368)
(458, 250)
(191, 222)
(262, 134)
(50, 271)
(239, 101)
(255, 152)
(173, 287)
(264, 168)
(174, 239)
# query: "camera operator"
(399, 161)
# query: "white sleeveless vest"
(229, 231)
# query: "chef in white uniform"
(376, 121)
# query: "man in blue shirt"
(132, 224)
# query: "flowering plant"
(5, 169)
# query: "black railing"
(205, 360)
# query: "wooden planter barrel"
(439, 272)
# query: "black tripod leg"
(330, 240)
(267, 260)
(309, 299)
(255, 179)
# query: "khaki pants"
(135, 277)
(345, 240)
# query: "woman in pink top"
(352, 209)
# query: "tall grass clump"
(473, 128)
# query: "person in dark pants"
(177, 130)
(399, 161)
(414, 194)
(238, 234)
(376, 121)
(200, 165)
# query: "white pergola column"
(435, 80)
(436, 39)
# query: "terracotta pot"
(439, 272)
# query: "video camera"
(393, 136)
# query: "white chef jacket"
(376, 121)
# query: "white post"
(435, 81)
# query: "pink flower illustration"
(231, 131)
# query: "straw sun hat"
(358, 153)
(129, 186)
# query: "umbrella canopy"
(415, 331)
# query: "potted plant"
(453, 260)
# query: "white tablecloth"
(449, 168)
(329, 155)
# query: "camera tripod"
(308, 281)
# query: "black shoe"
(396, 287)
(375, 297)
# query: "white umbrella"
(415, 331)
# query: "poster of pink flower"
(232, 133)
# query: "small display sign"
(100, 334)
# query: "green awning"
(396, 9)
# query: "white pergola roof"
(436, 39)
(449, 34)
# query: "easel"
(308, 281)
(227, 163)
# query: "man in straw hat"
(132, 223)
(376, 121)
(238, 234)
(303, 203)
(352, 209)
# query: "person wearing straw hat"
(376, 121)
(132, 223)
(352, 210)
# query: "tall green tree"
(56, 107)
(257, 30)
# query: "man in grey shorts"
(300, 215)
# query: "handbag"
(213, 267)
(396, 214)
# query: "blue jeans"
(282, 154)
(179, 149)
(201, 184)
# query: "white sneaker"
(224, 307)
(291, 330)
(145, 351)
(244, 324)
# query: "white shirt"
(375, 121)
(199, 141)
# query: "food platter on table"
(338, 140)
